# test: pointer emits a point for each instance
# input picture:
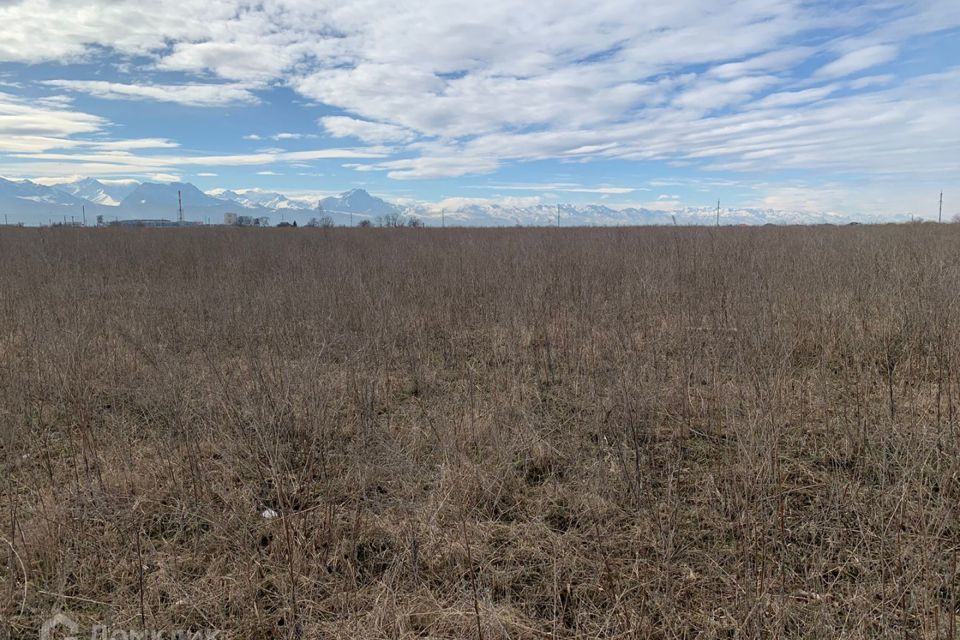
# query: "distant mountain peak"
(162, 200)
(27, 201)
(93, 190)
(24, 200)
(358, 201)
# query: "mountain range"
(27, 202)
(108, 192)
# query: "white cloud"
(902, 129)
(42, 30)
(95, 162)
(194, 95)
(779, 60)
(710, 95)
(373, 132)
(164, 177)
(69, 179)
(281, 136)
(32, 144)
(48, 180)
(566, 188)
(456, 203)
(858, 60)
(132, 144)
(37, 126)
(871, 81)
(505, 82)
(356, 166)
(244, 59)
(803, 96)
(51, 118)
(439, 166)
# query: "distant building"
(144, 223)
(150, 222)
(236, 220)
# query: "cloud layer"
(456, 88)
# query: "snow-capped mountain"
(355, 204)
(167, 197)
(494, 214)
(355, 201)
(108, 192)
(358, 201)
(32, 203)
(25, 201)
(260, 198)
(162, 200)
(27, 191)
(755, 216)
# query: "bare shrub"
(518, 433)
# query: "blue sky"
(850, 107)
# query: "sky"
(850, 107)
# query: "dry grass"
(666, 433)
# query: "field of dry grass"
(516, 433)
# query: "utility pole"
(180, 207)
(443, 218)
(940, 216)
(558, 216)
(718, 213)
